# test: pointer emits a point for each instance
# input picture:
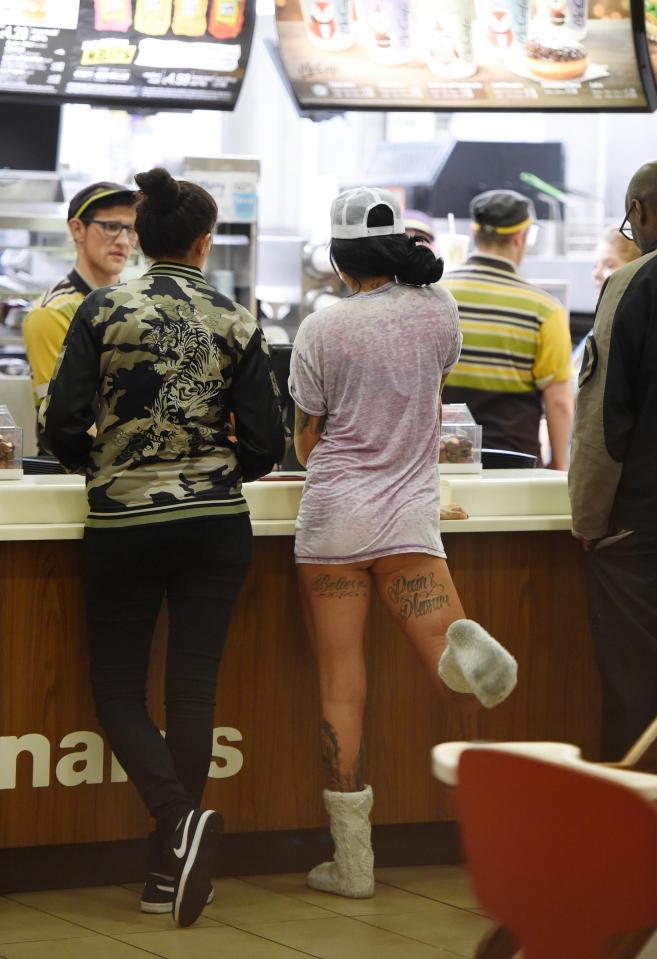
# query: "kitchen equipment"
(15, 314)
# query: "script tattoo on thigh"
(418, 596)
(341, 780)
(338, 587)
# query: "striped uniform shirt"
(515, 343)
(46, 327)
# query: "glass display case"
(11, 447)
(460, 440)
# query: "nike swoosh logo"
(180, 851)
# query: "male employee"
(613, 478)
(516, 342)
(101, 218)
(419, 225)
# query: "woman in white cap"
(365, 376)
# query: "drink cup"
(453, 249)
(329, 23)
(507, 23)
(387, 29)
(520, 13)
(577, 18)
(112, 15)
(447, 28)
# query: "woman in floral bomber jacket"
(164, 365)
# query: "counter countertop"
(54, 507)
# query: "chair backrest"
(562, 859)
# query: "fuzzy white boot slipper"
(351, 872)
(476, 663)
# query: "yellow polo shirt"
(46, 326)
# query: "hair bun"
(421, 266)
(160, 191)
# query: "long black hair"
(171, 214)
(404, 257)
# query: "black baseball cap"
(84, 198)
(502, 212)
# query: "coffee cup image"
(499, 28)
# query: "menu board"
(461, 54)
(650, 7)
(155, 52)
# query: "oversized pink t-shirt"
(372, 365)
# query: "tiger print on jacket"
(158, 364)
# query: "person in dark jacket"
(152, 376)
(613, 478)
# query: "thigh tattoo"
(418, 596)
(338, 587)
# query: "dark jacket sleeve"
(68, 410)
(626, 351)
(606, 413)
(256, 405)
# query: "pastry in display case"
(460, 440)
(11, 447)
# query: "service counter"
(62, 796)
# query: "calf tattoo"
(418, 596)
(338, 587)
(341, 780)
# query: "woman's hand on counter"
(454, 511)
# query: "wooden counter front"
(526, 588)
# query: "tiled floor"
(417, 913)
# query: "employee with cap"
(419, 226)
(101, 218)
(516, 342)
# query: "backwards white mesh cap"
(349, 212)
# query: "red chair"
(565, 862)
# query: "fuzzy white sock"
(476, 663)
(351, 871)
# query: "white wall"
(97, 143)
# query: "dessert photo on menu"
(538, 54)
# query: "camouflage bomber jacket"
(158, 364)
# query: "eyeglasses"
(625, 229)
(113, 229)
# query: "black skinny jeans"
(200, 566)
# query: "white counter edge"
(24, 532)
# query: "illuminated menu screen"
(461, 54)
(158, 52)
(651, 32)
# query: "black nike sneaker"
(157, 894)
(194, 847)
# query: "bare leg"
(336, 599)
(418, 590)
